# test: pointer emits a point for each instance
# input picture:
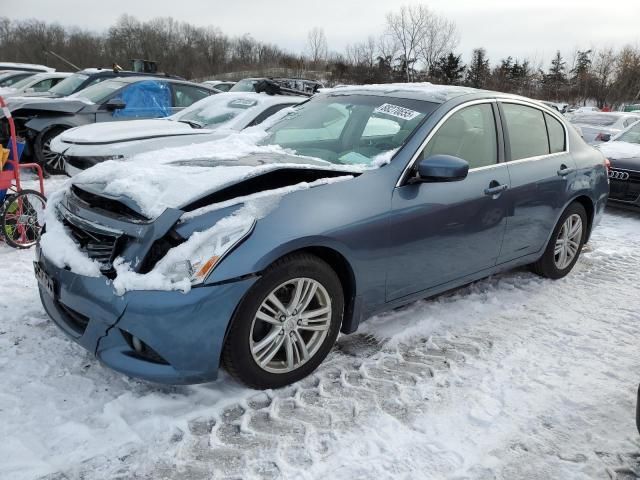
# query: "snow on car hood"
(155, 182)
(619, 150)
(111, 132)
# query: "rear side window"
(556, 134)
(527, 131)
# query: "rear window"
(69, 84)
(100, 91)
(556, 134)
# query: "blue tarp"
(148, 99)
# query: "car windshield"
(600, 120)
(9, 79)
(24, 82)
(632, 135)
(100, 91)
(69, 84)
(246, 85)
(350, 129)
(216, 111)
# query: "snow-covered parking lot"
(513, 377)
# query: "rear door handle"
(564, 171)
(496, 189)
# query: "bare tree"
(603, 69)
(317, 45)
(408, 28)
(440, 37)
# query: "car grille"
(625, 190)
(98, 245)
(108, 205)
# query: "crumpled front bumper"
(181, 334)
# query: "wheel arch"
(589, 207)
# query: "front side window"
(469, 134)
(527, 131)
(145, 99)
(557, 137)
(349, 129)
(43, 85)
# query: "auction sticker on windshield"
(396, 111)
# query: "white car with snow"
(599, 127)
(209, 119)
(35, 85)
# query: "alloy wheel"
(54, 161)
(291, 325)
(568, 241)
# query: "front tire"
(565, 244)
(286, 324)
(52, 162)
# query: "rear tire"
(52, 163)
(565, 245)
(286, 324)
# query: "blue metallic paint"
(400, 244)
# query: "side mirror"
(115, 104)
(29, 90)
(441, 168)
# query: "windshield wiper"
(192, 123)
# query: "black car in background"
(39, 120)
(290, 85)
(623, 153)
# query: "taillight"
(607, 164)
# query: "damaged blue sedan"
(254, 252)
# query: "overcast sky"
(522, 28)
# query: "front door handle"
(495, 189)
(564, 170)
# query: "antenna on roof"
(61, 58)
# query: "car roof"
(28, 67)
(142, 78)
(416, 91)
(42, 75)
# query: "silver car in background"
(599, 127)
(209, 119)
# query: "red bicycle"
(21, 211)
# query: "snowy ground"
(512, 377)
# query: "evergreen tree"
(478, 71)
(556, 79)
(448, 69)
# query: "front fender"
(40, 124)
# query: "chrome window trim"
(404, 175)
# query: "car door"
(441, 232)
(541, 170)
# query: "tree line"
(416, 44)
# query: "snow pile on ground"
(513, 377)
(618, 150)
